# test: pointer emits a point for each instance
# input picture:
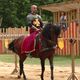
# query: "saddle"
(35, 42)
(30, 43)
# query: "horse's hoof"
(19, 77)
(25, 78)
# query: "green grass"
(58, 60)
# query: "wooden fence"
(6, 36)
(71, 32)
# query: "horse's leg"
(24, 76)
(21, 68)
(51, 67)
(22, 59)
(43, 68)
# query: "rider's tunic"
(30, 40)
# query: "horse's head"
(51, 33)
(56, 30)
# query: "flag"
(6, 43)
(61, 43)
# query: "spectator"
(63, 19)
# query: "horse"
(48, 38)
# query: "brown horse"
(50, 35)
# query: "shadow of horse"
(48, 42)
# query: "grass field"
(58, 60)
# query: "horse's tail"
(11, 46)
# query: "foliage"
(14, 12)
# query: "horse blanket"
(29, 43)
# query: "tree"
(7, 11)
(14, 12)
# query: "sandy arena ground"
(33, 72)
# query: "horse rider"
(34, 20)
(63, 20)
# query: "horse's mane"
(57, 29)
(47, 30)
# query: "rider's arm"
(28, 23)
(41, 22)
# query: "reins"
(51, 42)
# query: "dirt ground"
(33, 72)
